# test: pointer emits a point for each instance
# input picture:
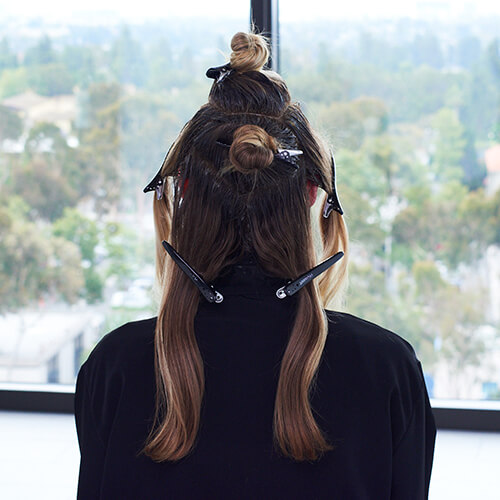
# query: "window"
(408, 94)
(90, 100)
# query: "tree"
(94, 285)
(66, 276)
(41, 53)
(33, 264)
(46, 141)
(453, 314)
(121, 244)
(493, 51)
(427, 50)
(81, 63)
(449, 145)
(162, 70)
(480, 99)
(456, 314)
(428, 228)
(11, 125)
(127, 59)
(427, 278)
(468, 51)
(453, 225)
(329, 80)
(80, 230)
(83, 232)
(495, 201)
(44, 137)
(474, 173)
(42, 184)
(147, 128)
(7, 58)
(99, 155)
(379, 151)
(13, 81)
(50, 79)
(397, 312)
(363, 223)
(478, 223)
(350, 122)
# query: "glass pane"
(408, 94)
(90, 99)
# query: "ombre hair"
(221, 202)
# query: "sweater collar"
(247, 277)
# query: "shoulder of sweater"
(358, 336)
(385, 366)
(124, 342)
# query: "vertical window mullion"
(264, 15)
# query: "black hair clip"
(332, 202)
(294, 286)
(157, 184)
(207, 291)
(212, 295)
(218, 73)
(288, 155)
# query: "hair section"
(242, 199)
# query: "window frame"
(462, 415)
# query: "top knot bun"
(250, 52)
(252, 149)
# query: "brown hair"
(239, 200)
(250, 52)
(252, 149)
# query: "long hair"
(225, 195)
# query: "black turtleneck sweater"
(370, 400)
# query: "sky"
(290, 10)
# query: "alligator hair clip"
(157, 185)
(218, 73)
(212, 295)
(294, 286)
(158, 182)
(288, 155)
(208, 291)
(332, 202)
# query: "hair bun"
(252, 149)
(250, 52)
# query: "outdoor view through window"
(91, 99)
(409, 97)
